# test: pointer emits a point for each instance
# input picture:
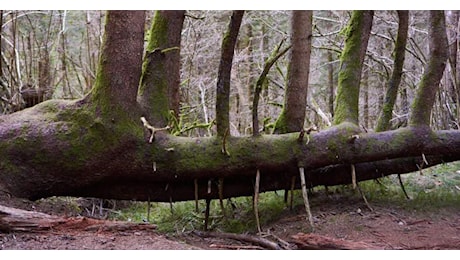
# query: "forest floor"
(388, 226)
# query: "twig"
(256, 200)
(193, 17)
(424, 159)
(170, 49)
(305, 196)
(152, 129)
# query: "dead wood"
(319, 242)
(235, 247)
(260, 241)
(12, 219)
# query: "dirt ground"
(387, 227)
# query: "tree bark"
(429, 85)
(115, 89)
(224, 73)
(292, 116)
(96, 159)
(159, 87)
(351, 63)
(383, 123)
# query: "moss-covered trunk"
(62, 148)
(224, 73)
(159, 86)
(383, 122)
(351, 63)
(292, 116)
(429, 85)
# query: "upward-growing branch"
(120, 61)
(383, 122)
(351, 62)
(225, 68)
(159, 86)
(429, 85)
(292, 116)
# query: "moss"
(350, 73)
(153, 90)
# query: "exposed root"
(256, 200)
(221, 195)
(402, 187)
(364, 198)
(305, 196)
(195, 183)
(291, 200)
(206, 214)
(353, 176)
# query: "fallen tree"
(98, 146)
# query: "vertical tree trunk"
(159, 89)
(224, 73)
(365, 84)
(118, 72)
(330, 76)
(1, 44)
(351, 62)
(429, 85)
(292, 116)
(391, 94)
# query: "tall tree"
(159, 89)
(225, 69)
(292, 116)
(383, 123)
(429, 85)
(116, 86)
(351, 63)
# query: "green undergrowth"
(430, 189)
(433, 189)
(182, 216)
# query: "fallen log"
(18, 220)
(319, 242)
(260, 241)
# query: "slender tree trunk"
(429, 85)
(159, 89)
(292, 116)
(365, 84)
(1, 44)
(391, 94)
(330, 76)
(351, 63)
(224, 73)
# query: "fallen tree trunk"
(18, 220)
(66, 148)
